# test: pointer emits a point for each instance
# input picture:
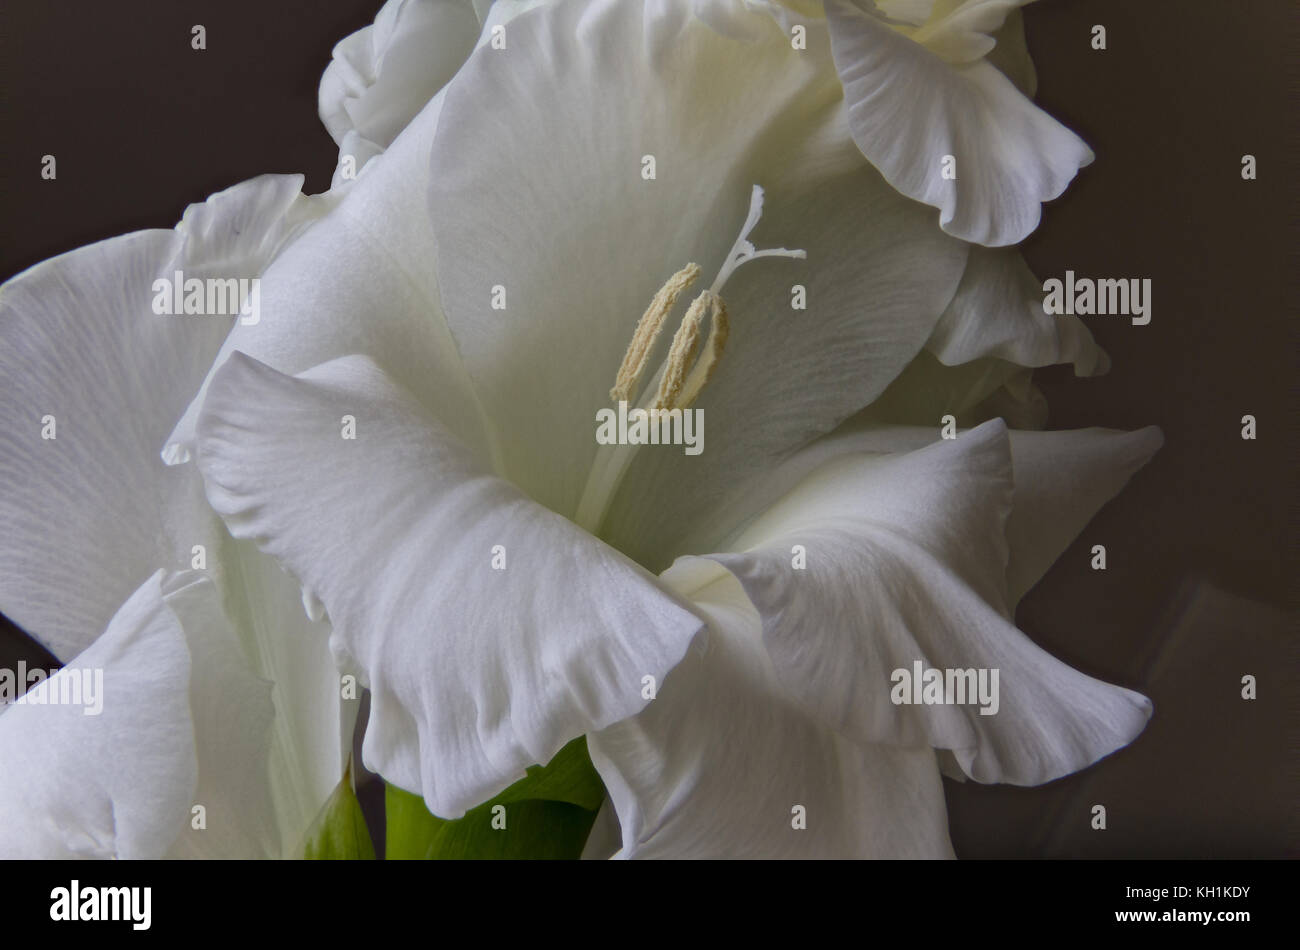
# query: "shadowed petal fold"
(725, 763)
(906, 562)
(997, 312)
(181, 722)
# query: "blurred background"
(1199, 589)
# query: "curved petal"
(997, 312)
(237, 232)
(927, 390)
(1018, 402)
(962, 31)
(311, 735)
(117, 784)
(361, 280)
(383, 75)
(475, 672)
(87, 515)
(906, 561)
(90, 380)
(973, 365)
(175, 720)
(355, 153)
(551, 206)
(1062, 480)
(494, 13)
(909, 110)
(723, 760)
(911, 12)
(233, 717)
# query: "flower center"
(681, 376)
(675, 389)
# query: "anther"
(676, 389)
(647, 331)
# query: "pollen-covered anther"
(677, 390)
(647, 332)
(682, 378)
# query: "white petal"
(1062, 480)
(311, 736)
(87, 515)
(962, 31)
(90, 514)
(355, 153)
(909, 109)
(113, 785)
(580, 242)
(240, 230)
(494, 13)
(997, 312)
(911, 12)
(973, 363)
(1018, 402)
(383, 75)
(906, 561)
(232, 717)
(722, 761)
(474, 673)
(361, 280)
(927, 390)
(180, 722)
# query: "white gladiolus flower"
(409, 429)
(920, 88)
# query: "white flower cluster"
(403, 441)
